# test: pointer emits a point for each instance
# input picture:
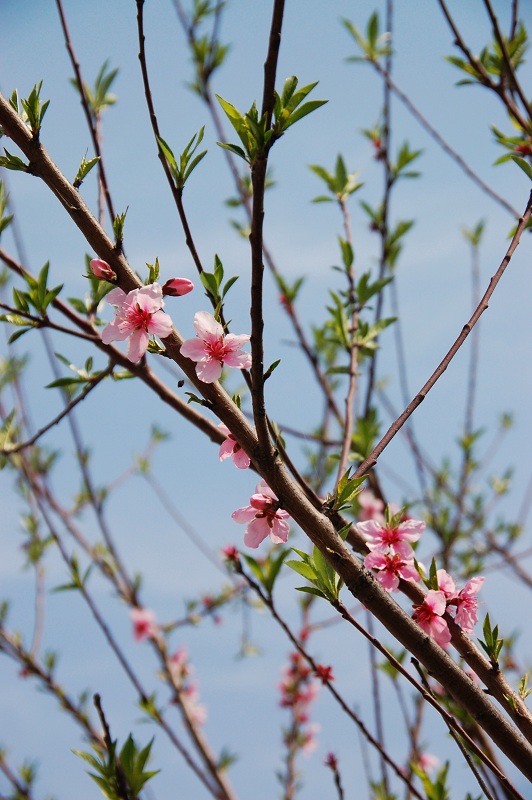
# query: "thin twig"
(514, 83)
(268, 602)
(445, 146)
(91, 384)
(371, 460)
(484, 76)
(258, 179)
(92, 124)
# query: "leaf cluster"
(341, 184)
(187, 161)
(492, 644)
(99, 98)
(212, 282)
(255, 134)
(267, 570)
(5, 219)
(122, 776)
(37, 297)
(492, 60)
(316, 569)
(374, 44)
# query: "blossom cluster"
(181, 672)
(298, 690)
(139, 315)
(392, 556)
(179, 667)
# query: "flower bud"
(176, 287)
(261, 502)
(101, 269)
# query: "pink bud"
(101, 269)
(176, 287)
(261, 502)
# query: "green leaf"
(312, 590)
(254, 567)
(302, 569)
(525, 166)
(12, 162)
(233, 148)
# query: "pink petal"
(113, 333)
(150, 298)
(209, 371)
(408, 573)
(193, 349)
(279, 532)
(245, 514)
(238, 360)
(411, 529)
(115, 297)
(206, 326)
(234, 341)
(226, 449)
(160, 324)
(388, 580)
(446, 583)
(473, 586)
(138, 344)
(375, 560)
(256, 532)
(241, 459)
(436, 602)
(440, 631)
(263, 488)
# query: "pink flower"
(144, 625)
(429, 617)
(138, 316)
(427, 762)
(231, 449)
(211, 349)
(178, 664)
(190, 697)
(370, 506)
(264, 516)
(177, 287)
(101, 269)
(465, 601)
(393, 566)
(230, 553)
(310, 743)
(446, 584)
(379, 536)
(467, 604)
(325, 674)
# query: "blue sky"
(433, 285)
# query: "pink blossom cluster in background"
(298, 691)
(144, 625)
(182, 672)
